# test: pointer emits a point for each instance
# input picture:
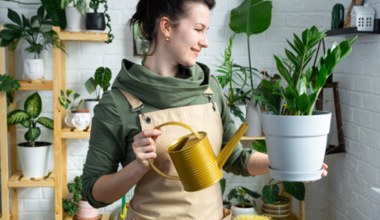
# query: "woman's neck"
(161, 65)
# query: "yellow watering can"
(194, 159)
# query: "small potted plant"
(38, 35)
(8, 85)
(98, 84)
(77, 205)
(74, 11)
(96, 21)
(296, 134)
(33, 154)
(76, 117)
(242, 201)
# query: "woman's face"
(190, 35)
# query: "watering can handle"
(150, 161)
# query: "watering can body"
(193, 157)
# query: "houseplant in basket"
(38, 35)
(296, 135)
(251, 17)
(74, 11)
(97, 20)
(77, 205)
(33, 154)
(242, 201)
(98, 84)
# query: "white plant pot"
(236, 119)
(34, 160)
(90, 105)
(253, 118)
(236, 211)
(74, 19)
(33, 69)
(296, 145)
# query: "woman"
(170, 86)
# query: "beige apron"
(156, 197)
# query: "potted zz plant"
(77, 205)
(33, 154)
(99, 83)
(38, 34)
(296, 134)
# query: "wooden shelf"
(246, 138)
(82, 36)
(17, 180)
(348, 31)
(71, 133)
(27, 85)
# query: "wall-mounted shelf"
(348, 31)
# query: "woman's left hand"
(325, 167)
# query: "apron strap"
(133, 100)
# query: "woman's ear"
(165, 27)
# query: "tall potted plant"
(296, 134)
(251, 17)
(38, 34)
(33, 154)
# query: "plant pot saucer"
(295, 176)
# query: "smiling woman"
(170, 86)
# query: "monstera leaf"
(251, 17)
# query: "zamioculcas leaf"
(33, 105)
(13, 16)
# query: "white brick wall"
(352, 189)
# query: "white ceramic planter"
(33, 69)
(74, 19)
(296, 145)
(34, 160)
(236, 211)
(253, 118)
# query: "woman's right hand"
(144, 146)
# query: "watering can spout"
(231, 144)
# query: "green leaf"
(90, 85)
(46, 122)
(271, 193)
(251, 17)
(303, 103)
(33, 105)
(259, 146)
(296, 189)
(32, 134)
(13, 16)
(103, 77)
(17, 116)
